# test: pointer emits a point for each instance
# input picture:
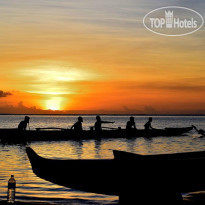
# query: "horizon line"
(123, 114)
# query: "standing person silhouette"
(78, 125)
(23, 124)
(148, 125)
(98, 123)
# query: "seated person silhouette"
(148, 125)
(98, 123)
(131, 124)
(23, 124)
(130, 127)
(78, 125)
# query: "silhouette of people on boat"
(131, 127)
(78, 125)
(23, 124)
(148, 125)
(98, 124)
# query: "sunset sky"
(92, 55)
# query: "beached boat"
(49, 134)
(124, 176)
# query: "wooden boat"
(49, 134)
(86, 175)
(123, 155)
(125, 176)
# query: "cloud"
(150, 110)
(22, 109)
(147, 110)
(4, 94)
(127, 110)
(197, 84)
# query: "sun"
(54, 103)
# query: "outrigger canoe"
(134, 178)
(50, 134)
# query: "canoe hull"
(77, 174)
(114, 177)
(15, 136)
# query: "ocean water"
(13, 158)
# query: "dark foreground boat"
(122, 155)
(159, 176)
(48, 134)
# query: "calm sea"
(13, 158)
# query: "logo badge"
(173, 21)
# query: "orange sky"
(91, 55)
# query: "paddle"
(49, 128)
(111, 128)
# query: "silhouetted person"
(78, 125)
(148, 125)
(98, 123)
(23, 124)
(130, 127)
(131, 124)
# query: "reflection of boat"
(44, 134)
(177, 173)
